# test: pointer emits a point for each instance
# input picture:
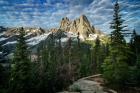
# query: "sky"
(48, 13)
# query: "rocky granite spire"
(64, 25)
(81, 25)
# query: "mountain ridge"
(81, 25)
(67, 29)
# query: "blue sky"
(48, 13)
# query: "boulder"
(86, 86)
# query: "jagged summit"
(65, 22)
(81, 25)
(83, 19)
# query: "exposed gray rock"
(81, 25)
(87, 86)
(68, 92)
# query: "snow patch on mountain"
(81, 37)
(28, 34)
(92, 36)
(64, 39)
(2, 38)
(35, 40)
(8, 43)
(2, 33)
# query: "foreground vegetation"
(57, 66)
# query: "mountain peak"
(64, 23)
(65, 18)
(83, 17)
(81, 25)
(84, 21)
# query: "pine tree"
(115, 67)
(85, 65)
(133, 48)
(69, 55)
(47, 67)
(52, 66)
(20, 71)
(41, 83)
(135, 45)
(60, 51)
(78, 39)
(1, 54)
(4, 72)
(2, 77)
(135, 58)
(97, 55)
(117, 26)
(138, 70)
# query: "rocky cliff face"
(81, 25)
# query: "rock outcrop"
(91, 84)
(86, 86)
(81, 25)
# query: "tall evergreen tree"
(4, 72)
(117, 26)
(137, 70)
(97, 55)
(20, 70)
(135, 57)
(60, 50)
(135, 44)
(69, 54)
(78, 39)
(115, 67)
(47, 67)
(133, 47)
